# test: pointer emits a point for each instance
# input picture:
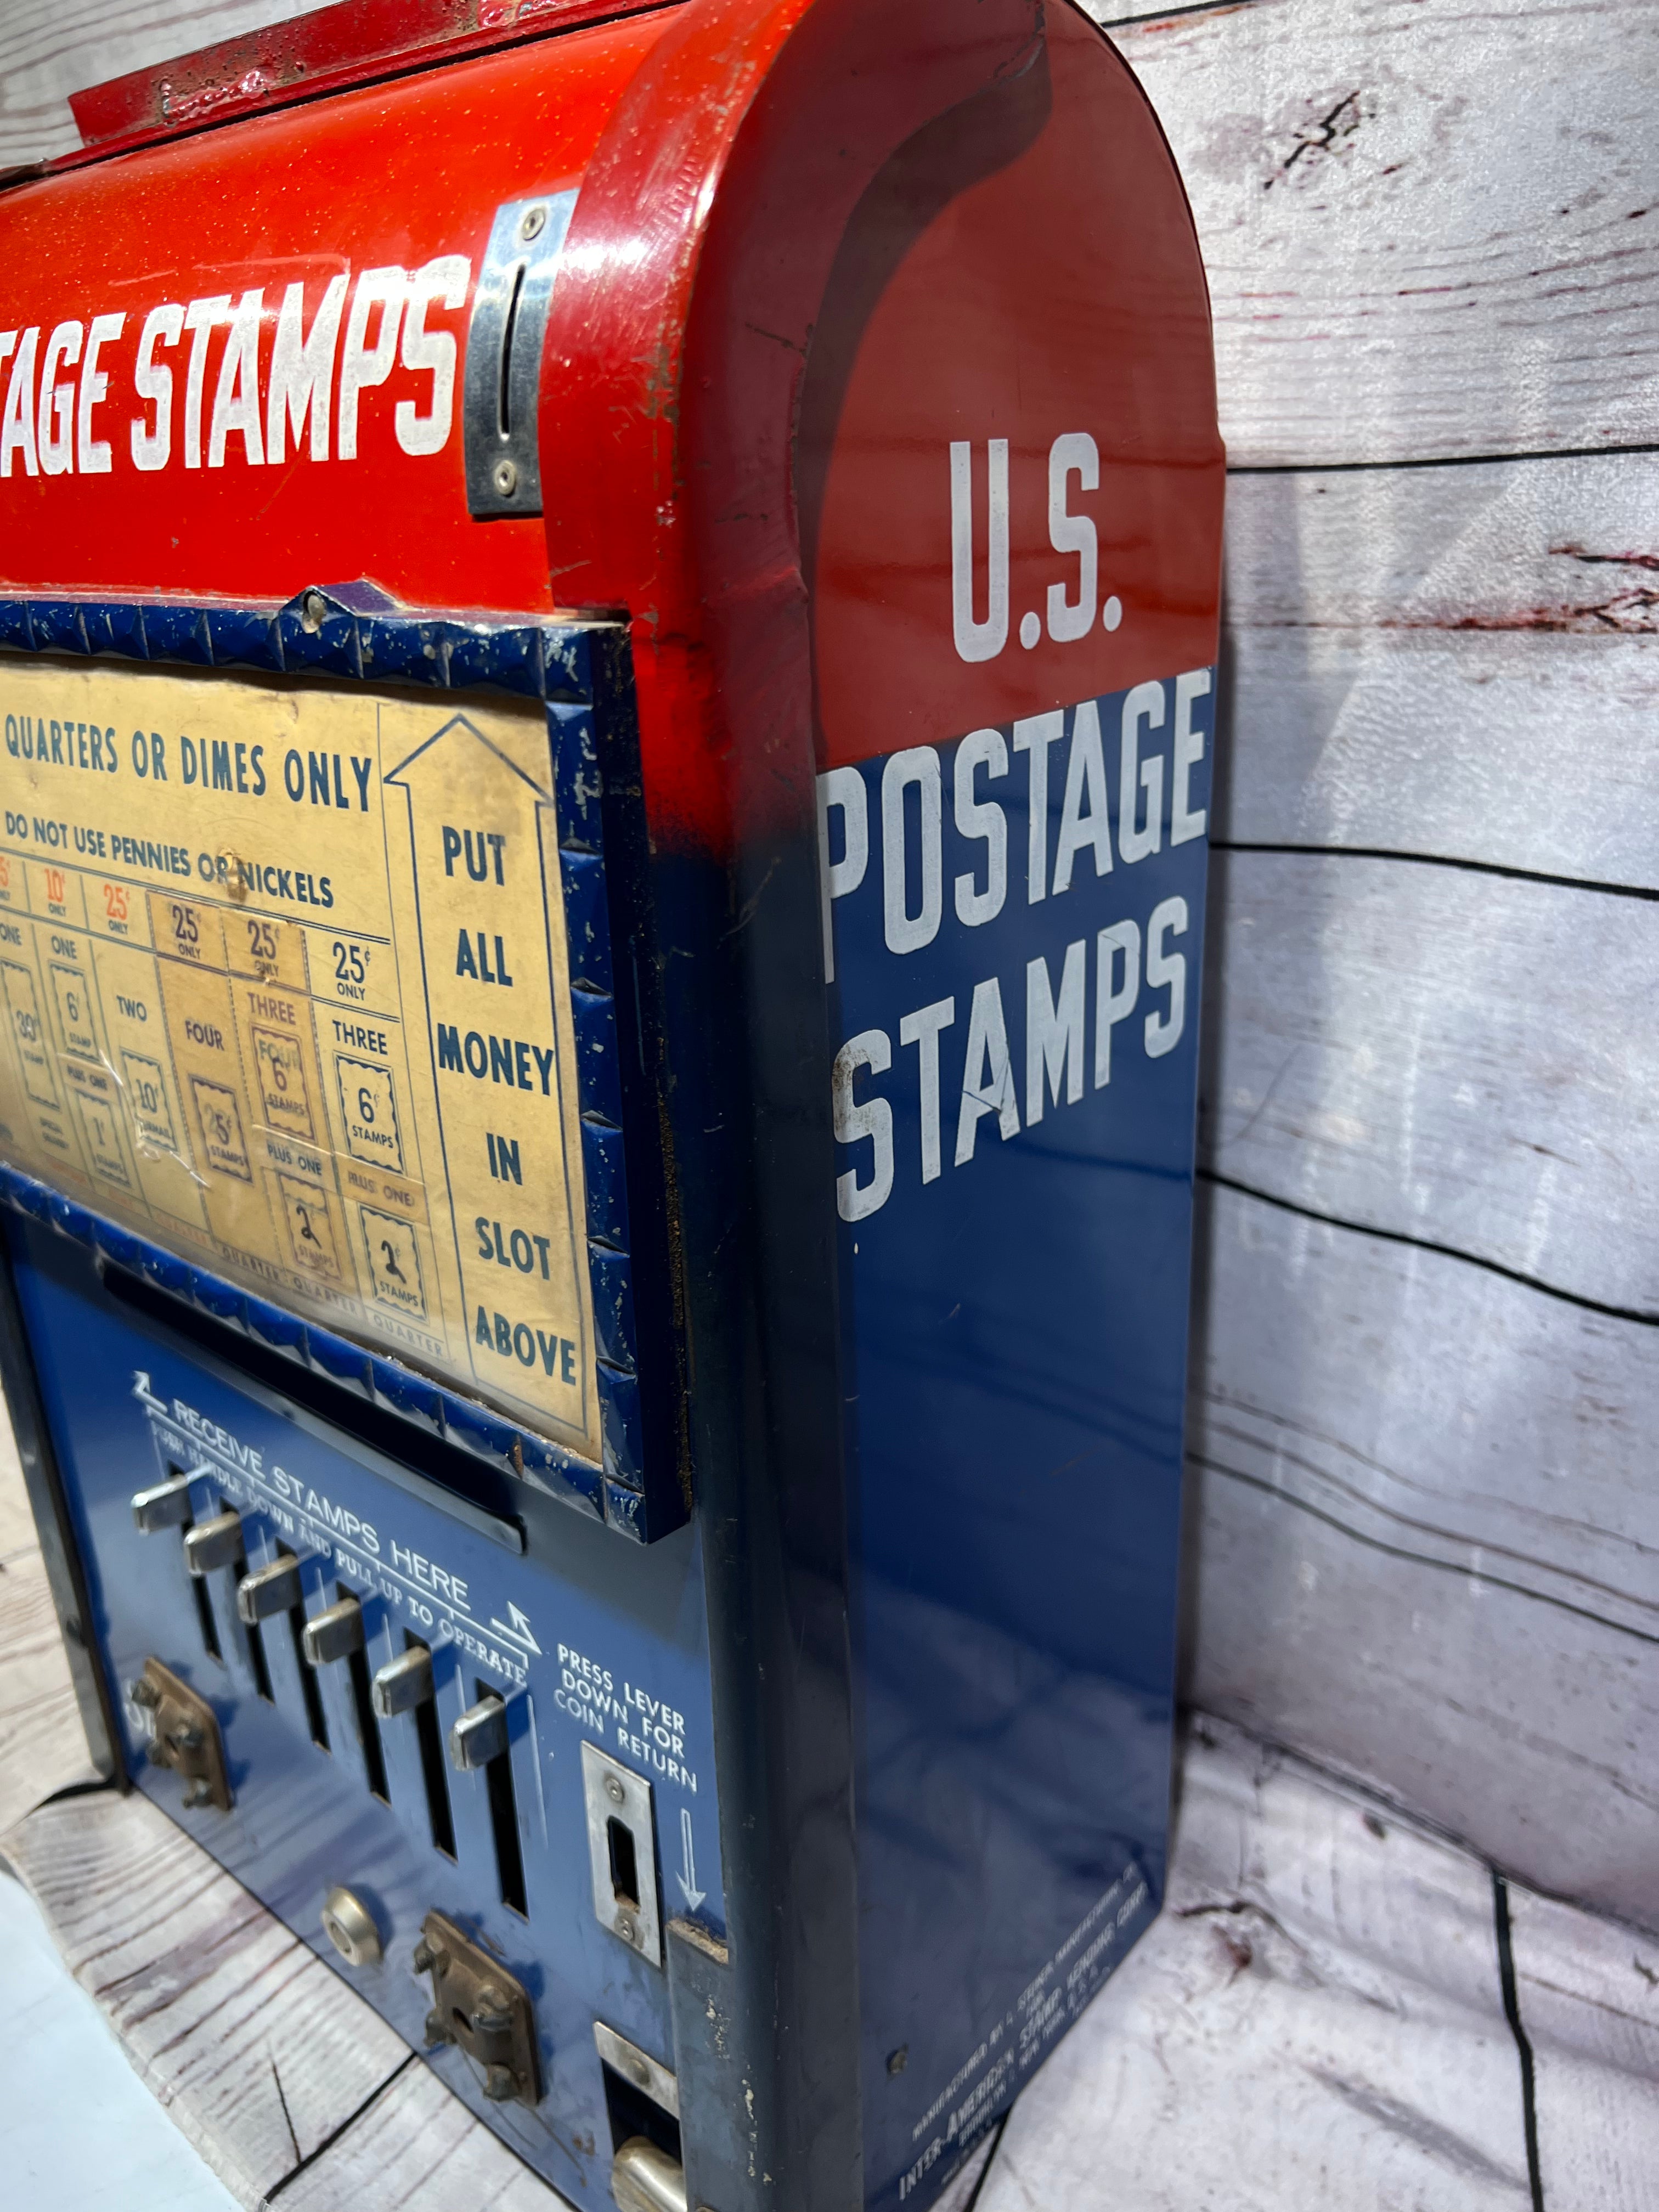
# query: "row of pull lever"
(400, 1686)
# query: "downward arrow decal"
(688, 1879)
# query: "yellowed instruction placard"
(284, 986)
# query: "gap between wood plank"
(1425, 460)
(1435, 859)
(1500, 1896)
(1639, 1315)
(1463, 1572)
(350, 2121)
(1166, 14)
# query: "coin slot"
(362, 1706)
(504, 1825)
(503, 398)
(428, 1735)
(624, 1862)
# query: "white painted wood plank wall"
(1426, 1547)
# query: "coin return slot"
(624, 1862)
(621, 1844)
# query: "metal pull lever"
(479, 1735)
(334, 1633)
(402, 1684)
(216, 1543)
(165, 1504)
(275, 1589)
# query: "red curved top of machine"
(826, 255)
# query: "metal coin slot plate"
(617, 1799)
(503, 381)
(481, 2009)
(184, 1736)
(648, 2074)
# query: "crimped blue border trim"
(355, 632)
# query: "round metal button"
(349, 1927)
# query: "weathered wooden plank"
(1458, 661)
(1431, 227)
(77, 2116)
(418, 2147)
(17, 1532)
(1422, 1542)
(47, 51)
(1567, 545)
(1443, 1055)
(43, 1746)
(1588, 1992)
(1511, 748)
(260, 2052)
(1321, 1998)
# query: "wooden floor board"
(1317, 2019)
(1587, 1994)
(260, 2052)
(43, 1746)
(417, 2147)
(1421, 1540)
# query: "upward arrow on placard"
(487, 971)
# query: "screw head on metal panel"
(350, 1927)
(505, 478)
(626, 1928)
(437, 2028)
(144, 1692)
(899, 2059)
(312, 611)
(425, 1958)
(499, 2084)
(613, 1789)
(638, 2072)
(532, 223)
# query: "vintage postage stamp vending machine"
(607, 623)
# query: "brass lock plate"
(184, 1736)
(479, 2007)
